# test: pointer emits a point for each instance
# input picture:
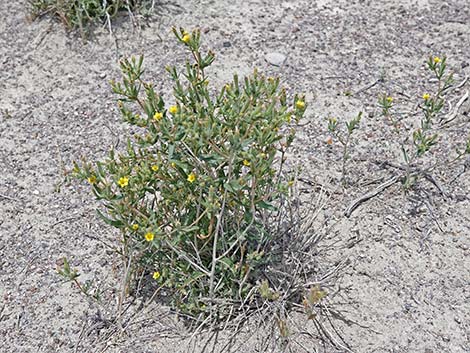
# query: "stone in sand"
(276, 59)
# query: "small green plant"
(311, 300)
(71, 275)
(82, 13)
(415, 145)
(6, 114)
(344, 137)
(195, 189)
(266, 292)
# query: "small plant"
(195, 189)
(415, 145)
(266, 292)
(82, 13)
(344, 137)
(71, 275)
(312, 298)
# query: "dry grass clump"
(83, 13)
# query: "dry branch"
(452, 115)
(371, 194)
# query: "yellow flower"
(290, 183)
(123, 182)
(173, 109)
(437, 60)
(191, 177)
(300, 104)
(426, 96)
(155, 168)
(149, 236)
(389, 99)
(135, 226)
(289, 119)
(92, 179)
(246, 163)
(173, 164)
(186, 38)
(156, 275)
(158, 116)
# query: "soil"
(406, 284)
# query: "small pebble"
(276, 59)
(227, 44)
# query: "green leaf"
(193, 278)
(171, 151)
(233, 186)
(266, 206)
(190, 229)
(179, 164)
(405, 155)
(112, 222)
(228, 263)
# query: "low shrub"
(195, 192)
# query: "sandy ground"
(407, 286)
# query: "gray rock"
(276, 59)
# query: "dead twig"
(348, 321)
(9, 198)
(452, 115)
(369, 86)
(433, 181)
(80, 337)
(124, 284)
(66, 220)
(112, 37)
(41, 36)
(379, 189)
(423, 172)
(461, 84)
(430, 209)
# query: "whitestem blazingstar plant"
(71, 275)
(424, 137)
(193, 191)
(344, 137)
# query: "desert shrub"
(81, 13)
(195, 190)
